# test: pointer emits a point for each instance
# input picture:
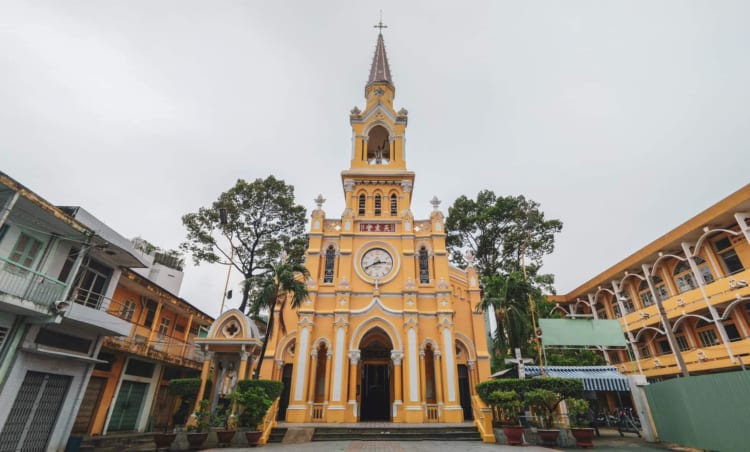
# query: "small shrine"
(232, 349)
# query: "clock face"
(377, 263)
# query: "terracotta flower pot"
(514, 434)
(549, 436)
(163, 440)
(253, 438)
(225, 436)
(196, 439)
(584, 436)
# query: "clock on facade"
(377, 263)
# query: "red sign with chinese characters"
(377, 227)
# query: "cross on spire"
(380, 25)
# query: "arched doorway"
(375, 384)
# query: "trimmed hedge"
(271, 387)
(185, 387)
(565, 387)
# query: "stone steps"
(277, 434)
(396, 434)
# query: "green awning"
(594, 378)
(582, 332)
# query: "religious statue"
(229, 380)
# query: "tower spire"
(380, 71)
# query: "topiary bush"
(564, 387)
(187, 389)
(272, 388)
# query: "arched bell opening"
(378, 146)
(376, 369)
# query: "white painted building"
(58, 270)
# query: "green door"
(127, 407)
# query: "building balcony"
(28, 290)
(698, 360)
(162, 348)
(719, 292)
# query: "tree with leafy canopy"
(283, 281)
(508, 237)
(247, 228)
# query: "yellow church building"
(389, 331)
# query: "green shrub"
(255, 403)
(543, 402)
(510, 405)
(185, 387)
(564, 387)
(272, 388)
(577, 410)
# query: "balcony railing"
(163, 345)
(318, 411)
(28, 284)
(432, 413)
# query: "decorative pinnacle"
(435, 202)
(319, 201)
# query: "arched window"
(378, 204)
(329, 265)
(394, 205)
(362, 204)
(424, 266)
(684, 275)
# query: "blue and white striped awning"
(594, 378)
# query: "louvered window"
(329, 265)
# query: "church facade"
(389, 331)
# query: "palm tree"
(506, 296)
(281, 283)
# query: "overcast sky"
(623, 119)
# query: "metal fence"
(708, 412)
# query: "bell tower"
(377, 183)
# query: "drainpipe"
(665, 323)
(701, 285)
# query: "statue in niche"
(229, 380)
(380, 153)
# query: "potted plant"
(509, 406)
(579, 424)
(254, 403)
(225, 430)
(164, 439)
(544, 403)
(197, 433)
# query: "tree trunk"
(269, 329)
(245, 296)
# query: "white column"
(299, 384)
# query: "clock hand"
(374, 263)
